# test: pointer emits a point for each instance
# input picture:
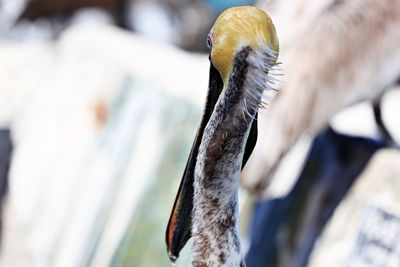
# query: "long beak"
(180, 221)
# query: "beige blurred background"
(102, 99)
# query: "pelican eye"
(209, 40)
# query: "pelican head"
(236, 28)
(243, 48)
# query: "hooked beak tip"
(172, 258)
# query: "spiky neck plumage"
(215, 216)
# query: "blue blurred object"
(217, 6)
(284, 231)
(5, 159)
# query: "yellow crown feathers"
(238, 27)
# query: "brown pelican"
(347, 53)
(244, 48)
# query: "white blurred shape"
(91, 16)
(152, 21)
(289, 169)
(40, 30)
(391, 112)
(356, 120)
(25, 30)
(9, 11)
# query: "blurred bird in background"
(345, 53)
(337, 54)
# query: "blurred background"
(99, 104)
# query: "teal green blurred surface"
(143, 243)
